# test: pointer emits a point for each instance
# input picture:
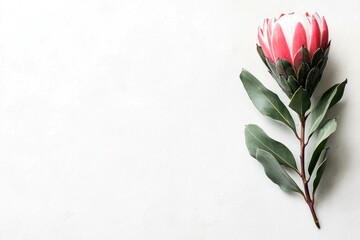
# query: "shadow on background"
(338, 153)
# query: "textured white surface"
(124, 120)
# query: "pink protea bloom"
(295, 48)
(284, 37)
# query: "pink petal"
(264, 45)
(315, 36)
(269, 34)
(279, 45)
(299, 39)
(324, 34)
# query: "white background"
(124, 120)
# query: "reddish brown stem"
(307, 196)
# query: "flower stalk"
(304, 179)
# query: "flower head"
(293, 45)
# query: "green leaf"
(300, 102)
(318, 113)
(301, 56)
(302, 73)
(322, 64)
(285, 86)
(285, 68)
(319, 172)
(279, 79)
(339, 93)
(322, 137)
(261, 54)
(272, 68)
(276, 173)
(293, 83)
(312, 80)
(326, 54)
(267, 102)
(256, 138)
(318, 56)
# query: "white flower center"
(288, 24)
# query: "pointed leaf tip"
(327, 100)
(322, 137)
(266, 101)
(319, 172)
(256, 138)
(276, 173)
(300, 102)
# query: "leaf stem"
(307, 196)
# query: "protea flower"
(295, 48)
